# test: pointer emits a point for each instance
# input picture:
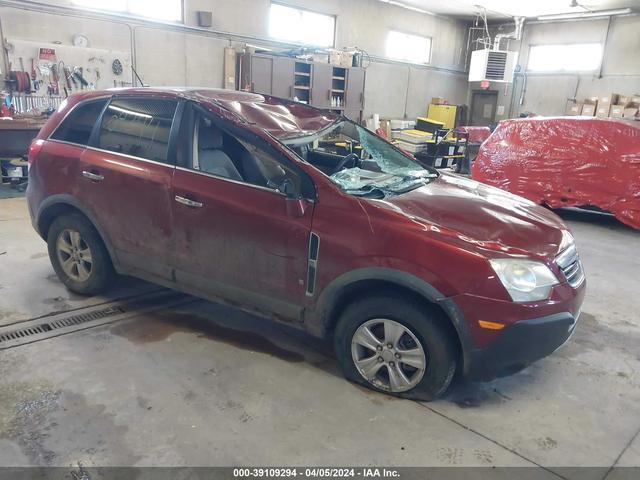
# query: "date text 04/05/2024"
(315, 472)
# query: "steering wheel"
(352, 157)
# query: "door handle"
(188, 202)
(92, 176)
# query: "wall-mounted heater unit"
(492, 65)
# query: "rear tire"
(78, 255)
(411, 353)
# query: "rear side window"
(77, 126)
(138, 127)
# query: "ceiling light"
(408, 7)
(576, 15)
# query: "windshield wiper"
(372, 193)
(375, 191)
(407, 187)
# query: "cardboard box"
(631, 109)
(385, 125)
(335, 57)
(346, 59)
(589, 107)
(603, 110)
(623, 100)
(604, 104)
(320, 57)
(573, 108)
(439, 101)
(612, 98)
(616, 111)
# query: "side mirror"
(296, 205)
(288, 188)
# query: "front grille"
(569, 262)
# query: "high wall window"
(577, 57)
(169, 10)
(408, 48)
(296, 25)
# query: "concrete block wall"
(185, 55)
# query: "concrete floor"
(206, 385)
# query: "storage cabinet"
(323, 85)
(261, 74)
(355, 89)
(321, 91)
(282, 77)
(302, 83)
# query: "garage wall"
(184, 55)
(547, 94)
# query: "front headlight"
(525, 280)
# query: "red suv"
(310, 219)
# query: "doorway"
(483, 108)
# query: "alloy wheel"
(74, 255)
(388, 355)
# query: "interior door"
(261, 74)
(125, 180)
(355, 89)
(483, 108)
(321, 82)
(282, 83)
(233, 238)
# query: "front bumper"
(519, 345)
(532, 330)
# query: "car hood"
(481, 216)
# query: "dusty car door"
(234, 234)
(126, 179)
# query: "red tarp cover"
(566, 162)
(476, 134)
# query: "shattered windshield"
(361, 163)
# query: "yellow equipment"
(443, 113)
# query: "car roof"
(282, 118)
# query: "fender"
(66, 199)
(331, 294)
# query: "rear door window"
(77, 126)
(139, 127)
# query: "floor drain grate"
(59, 323)
(25, 332)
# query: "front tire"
(396, 345)
(79, 256)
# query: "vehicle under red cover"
(566, 162)
(476, 134)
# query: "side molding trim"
(312, 263)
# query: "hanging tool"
(77, 73)
(66, 73)
(24, 81)
(70, 81)
(34, 75)
(54, 79)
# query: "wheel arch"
(57, 205)
(355, 284)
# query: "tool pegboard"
(56, 69)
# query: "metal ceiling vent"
(496, 65)
(492, 63)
